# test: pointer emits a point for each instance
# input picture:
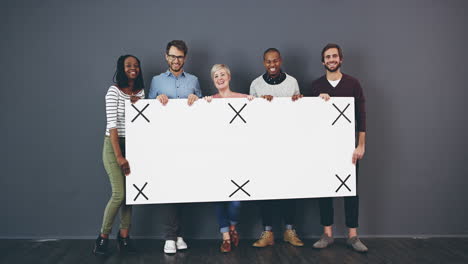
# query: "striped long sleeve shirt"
(115, 109)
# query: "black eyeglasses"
(174, 57)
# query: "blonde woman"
(227, 212)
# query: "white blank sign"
(218, 152)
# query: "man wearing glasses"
(175, 83)
(337, 84)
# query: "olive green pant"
(117, 181)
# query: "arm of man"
(361, 148)
(360, 108)
(252, 90)
(197, 93)
(297, 93)
(316, 91)
(153, 92)
(296, 87)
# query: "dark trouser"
(286, 208)
(351, 211)
(351, 205)
(172, 223)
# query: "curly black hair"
(120, 78)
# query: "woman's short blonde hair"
(218, 67)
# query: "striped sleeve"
(112, 98)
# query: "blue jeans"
(228, 214)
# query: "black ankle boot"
(125, 245)
(101, 245)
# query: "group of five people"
(175, 83)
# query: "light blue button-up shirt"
(174, 87)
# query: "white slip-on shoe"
(181, 243)
(170, 247)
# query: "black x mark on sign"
(140, 113)
(140, 191)
(341, 114)
(343, 182)
(237, 113)
(240, 188)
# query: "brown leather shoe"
(266, 239)
(234, 237)
(225, 246)
(291, 237)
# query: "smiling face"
(332, 60)
(131, 68)
(272, 62)
(221, 79)
(175, 59)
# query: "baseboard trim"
(55, 238)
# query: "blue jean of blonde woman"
(228, 214)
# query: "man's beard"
(176, 70)
(334, 70)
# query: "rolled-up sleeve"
(153, 92)
(197, 88)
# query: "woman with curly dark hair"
(128, 86)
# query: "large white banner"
(235, 149)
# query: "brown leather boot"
(225, 246)
(234, 237)
(266, 239)
(291, 237)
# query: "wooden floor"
(382, 250)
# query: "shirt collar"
(276, 80)
(169, 73)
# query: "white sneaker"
(170, 247)
(181, 243)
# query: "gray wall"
(58, 58)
